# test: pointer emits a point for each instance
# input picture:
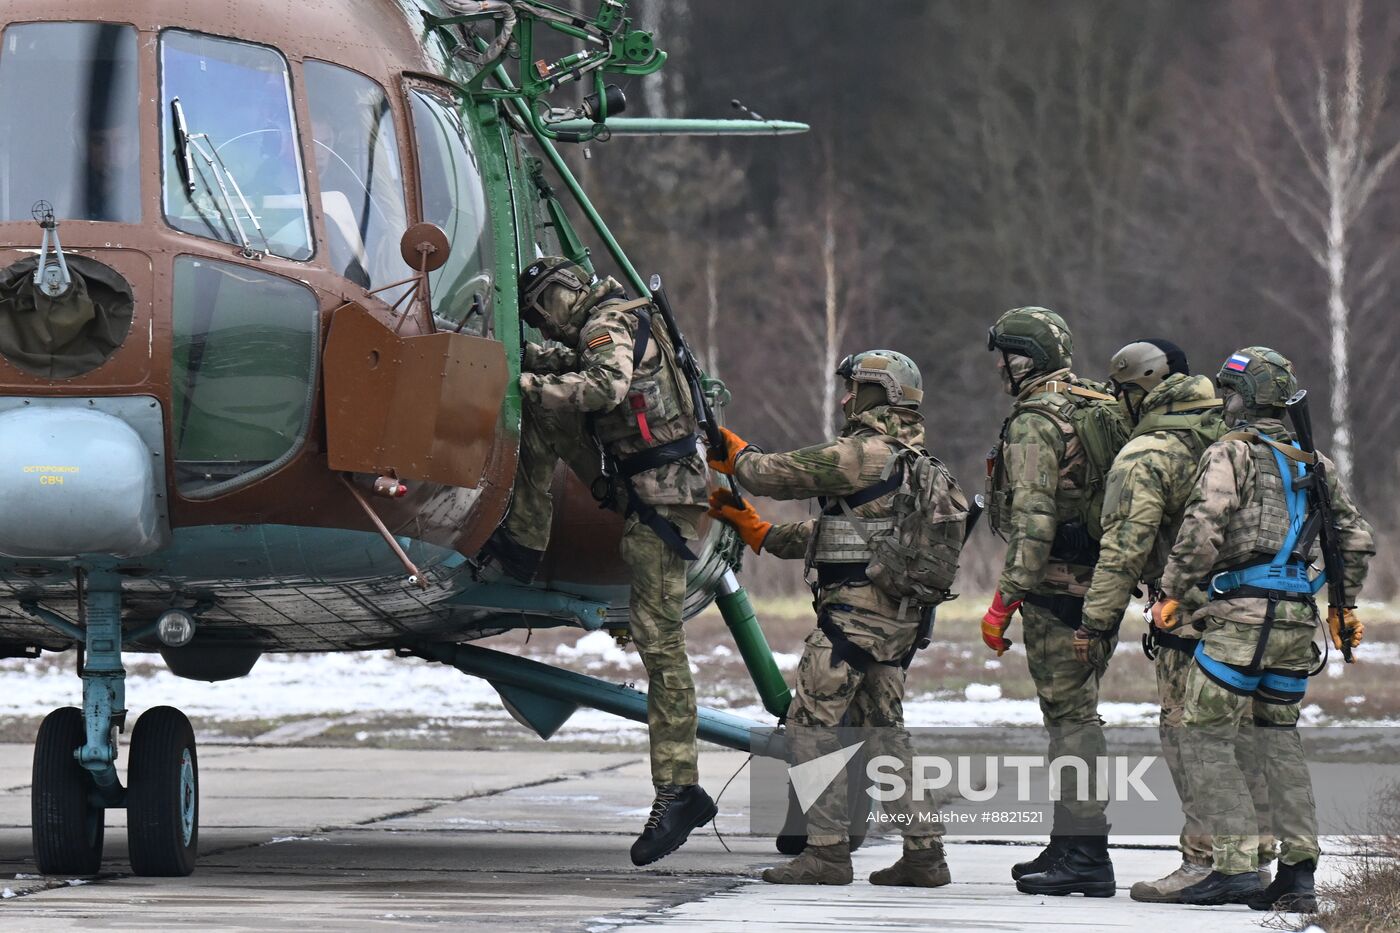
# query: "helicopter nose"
(79, 481)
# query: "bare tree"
(1320, 200)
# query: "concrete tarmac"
(361, 839)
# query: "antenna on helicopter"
(738, 105)
(53, 280)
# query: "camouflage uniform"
(1037, 489)
(1236, 514)
(829, 685)
(1144, 501)
(576, 409)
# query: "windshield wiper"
(187, 142)
(182, 144)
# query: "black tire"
(67, 829)
(162, 797)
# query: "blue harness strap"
(1282, 574)
(1282, 687)
(1227, 675)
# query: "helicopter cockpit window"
(232, 163)
(68, 99)
(454, 198)
(243, 373)
(361, 180)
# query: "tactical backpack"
(914, 555)
(1094, 418)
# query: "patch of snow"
(8, 893)
(786, 661)
(596, 649)
(76, 882)
(982, 693)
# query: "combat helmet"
(894, 372)
(1038, 334)
(547, 309)
(1261, 377)
(1141, 366)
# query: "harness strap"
(669, 534)
(843, 650)
(1283, 574)
(1226, 675)
(655, 457)
(643, 339)
(1164, 639)
(840, 574)
(1287, 450)
(1282, 687)
(869, 494)
(1070, 388)
(1067, 609)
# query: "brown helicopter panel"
(422, 408)
(380, 39)
(584, 538)
(135, 364)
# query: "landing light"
(175, 628)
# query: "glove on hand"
(995, 623)
(744, 520)
(1166, 614)
(722, 461)
(1339, 620)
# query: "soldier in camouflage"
(854, 662)
(1239, 531)
(1040, 501)
(610, 394)
(1175, 418)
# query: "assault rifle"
(690, 369)
(1321, 524)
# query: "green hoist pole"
(730, 597)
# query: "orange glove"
(722, 461)
(1339, 619)
(996, 622)
(743, 520)
(1166, 614)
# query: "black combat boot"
(518, 561)
(1292, 891)
(1059, 842)
(1085, 868)
(1217, 888)
(676, 811)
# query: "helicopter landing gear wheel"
(67, 828)
(162, 798)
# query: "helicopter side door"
(427, 406)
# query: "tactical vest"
(1092, 429)
(654, 426)
(838, 551)
(1256, 531)
(656, 410)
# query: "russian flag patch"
(1237, 363)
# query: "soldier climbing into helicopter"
(609, 400)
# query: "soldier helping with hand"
(1045, 481)
(611, 396)
(1175, 417)
(1240, 574)
(885, 549)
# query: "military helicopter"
(259, 347)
